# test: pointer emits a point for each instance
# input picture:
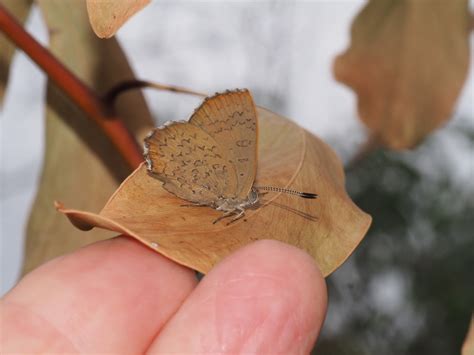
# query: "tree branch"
(83, 96)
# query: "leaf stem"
(82, 95)
(127, 85)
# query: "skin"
(117, 296)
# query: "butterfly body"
(236, 205)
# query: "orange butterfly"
(211, 160)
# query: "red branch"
(83, 96)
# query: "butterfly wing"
(231, 119)
(191, 164)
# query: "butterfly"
(211, 160)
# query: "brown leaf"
(328, 228)
(76, 150)
(20, 10)
(107, 16)
(468, 346)
(407, 63)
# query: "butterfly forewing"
(191, 163)
(231, 119)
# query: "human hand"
(117, 296)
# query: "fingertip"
(293, 265)
(298, 274)
(268, 297)
(111, 296)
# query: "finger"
(268, 297)
(110, 297)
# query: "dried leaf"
(76, 150)
(107, 16)
(328, 228)
(468, 346)
(20, 10)
(407, 63)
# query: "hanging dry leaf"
(76, 150)
(20, 10)
(407, 63)
(328, 228)
(468, 346)
(107, 16)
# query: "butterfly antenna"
(287, 191)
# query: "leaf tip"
(59, 206)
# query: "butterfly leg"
(226, 214)
(239, 215)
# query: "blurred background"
(408, 288)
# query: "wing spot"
(243, 143)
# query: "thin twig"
(127, 85)
(82, 95)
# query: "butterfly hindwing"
(190, 162)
